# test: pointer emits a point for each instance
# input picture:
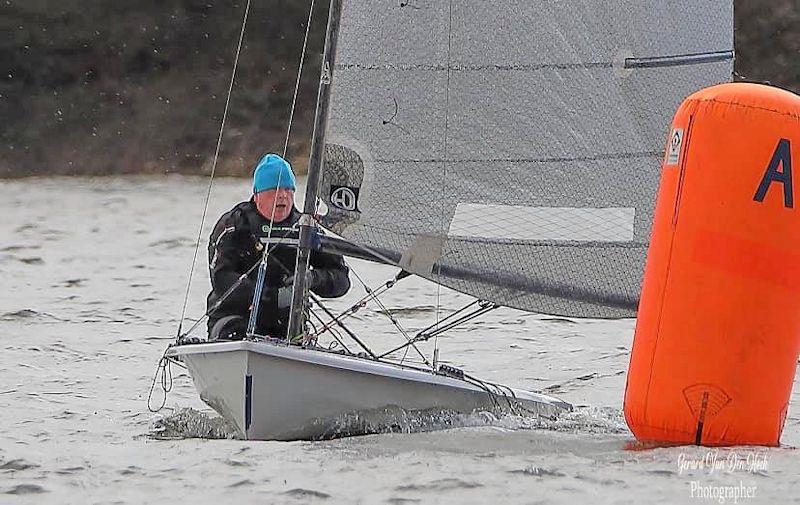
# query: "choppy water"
(94, 275)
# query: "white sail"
(510, 149)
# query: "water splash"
(536, 471)
(395, 419)
(584, 420)
(190, 423)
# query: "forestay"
(511, 149)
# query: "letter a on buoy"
(782, 157)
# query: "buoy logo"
(705, 401)
(344, 197)
(675, 144)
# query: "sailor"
(236, 247)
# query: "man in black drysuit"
(236, 246)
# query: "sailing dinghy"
(272, 391)
(507, 149)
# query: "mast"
(307, 224)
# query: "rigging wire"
(222, 298)
(214, 166)
(438, 324)
(297, 83)
(483, 309)
(394, 321)
(219, 145)
(444, 177)
(251, 324)
(358, 305)
(335, 334)
(343, 327)
(291, 112)
(438, 328)
(289, 127)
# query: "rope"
(297, 83)
(165, 372)
(214, 167)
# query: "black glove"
(276, 296)
(314, 280)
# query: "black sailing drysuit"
(236, 245)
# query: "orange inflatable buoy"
(718, 331)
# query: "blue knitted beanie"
(273, 172)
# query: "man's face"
(275, 204)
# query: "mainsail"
(510, 149)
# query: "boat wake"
(585, 420)
(189, 423)
(582, 420)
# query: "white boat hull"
(271, 391)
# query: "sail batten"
(632, 62)
(678, 59)
(510, 149)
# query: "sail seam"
(609, 156)
(589, 244)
